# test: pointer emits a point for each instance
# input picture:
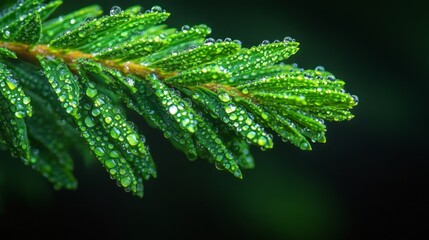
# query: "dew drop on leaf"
(99, 152)
(237, 41)
(156, 9)
(265, 42)
(20, 114)
(185, 28)
(133, 139)
(320, 68)
(6, 34)
(115, 10)
(288, 39)
(110, 163)
(262, 141)
(330, 77)
(173, 109)
(224, 97)
(251, 135)
(126, 181)
(209, 41)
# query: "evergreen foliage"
(75, 77)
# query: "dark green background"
(367, 181)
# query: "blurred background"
(368, 181)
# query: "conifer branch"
(211, 99)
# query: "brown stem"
(70, 57)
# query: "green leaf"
(57, 26)
(51, 156)
(107, 30)
(121, 131)
(23, 19)
(52, 168)
(30, 31)
(179, 41)
(234, 116)
(197, 76)
(179, 109)
(110, 156)
(132, 49)
(196, 56)
(12, 91)
(257, 57)
(216, 151)
(63, 82)
(5, 53)
(146, 103)
(13, 131)
(17, 13)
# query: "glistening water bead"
(115, 10)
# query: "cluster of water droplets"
(243, 122)
(210, 41)
(12, 91)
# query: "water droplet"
(115, 10)
(304, 145)
(233, 117)
(355, 98)
(307, 75)
(69, 109)
(265, 42)
(89, 19)
(99, 151)
(288, 39)
(330, 77)
(209, 41)
(6, 33)
(251, 135)
(262, 141)
(224, 97)
(156, 9)
(91, 92)
(320, 68)
(20, 114)
(126, 181)
(133, 139)
(185, 28)
(219, 40)
(173, 109)
(219, 166)
(237, 41)
(114, 154)
(276, 41)
(230, 108)
(26, 100)
(89, 122)
(114, 132)
(110, 163)
(11, 83)
(228, 39)
(95, 112)
(108, 120)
